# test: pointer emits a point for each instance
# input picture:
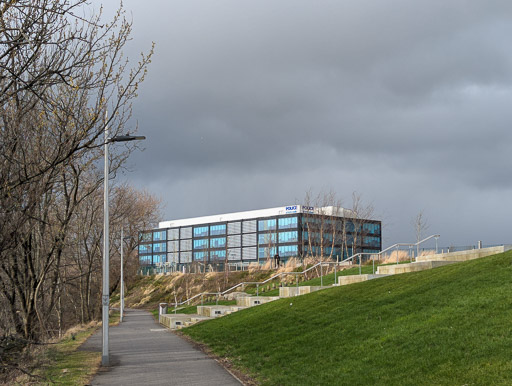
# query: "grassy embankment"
(449, 325)
(267, 290)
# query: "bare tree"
(359, 213)
(420, 225)
(58, 73)
(323, 227)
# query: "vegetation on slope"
(148, 291)
(449, 325)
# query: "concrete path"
(144, 353)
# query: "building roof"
(326, 210)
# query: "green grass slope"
(450, 325)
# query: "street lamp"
(105, 298)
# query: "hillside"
(449, 325)
(148, 291)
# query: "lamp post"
(105, 298)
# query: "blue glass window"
(200, 256)
(159, 259)
(371, 241)
(371, 228)
(336, 255)
(160, 235)
(264, 253)
(288, 223)
(200, 231)
(217, 230)
(201, 244)
(265, 225)
(288, 237)
(217, 242)
(266, 238)
(349, 226)
(145, 248)
(218, 255)
(288, 250)
(145, 260)
(159, 247)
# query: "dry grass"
(58, 361)
(391, 257)
(403, 256)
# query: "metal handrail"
(250, 282)
(351, 258)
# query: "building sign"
(291, 209)
(308, 209)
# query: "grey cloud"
(249, 103)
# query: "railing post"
(360, 264)
(202, 299)
(373, 264)
(258, 289)
(217, 300)
(321, 276)
(397, 254)
(336, 271)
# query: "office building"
(255, 236)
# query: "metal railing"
(320, 265)
(395, 247)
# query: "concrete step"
(350, 279)
(250, 301)
(465, 255)
(199, 318)
(287, 292)
(395, 269)
(174, 321)
(217, 310)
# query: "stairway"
(425, 262)
(177, 321)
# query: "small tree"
(420, 225)
(358, 214)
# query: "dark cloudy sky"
(248, 104)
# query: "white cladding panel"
(249, 253)
(249, 239)
(173, 246)
(234, 254)
(234, 228)
(234, 241)
(173, 257)
(185, 257)
(330, 210)
(186, 233)
(186, 245)
(249, 226)
(173, 234)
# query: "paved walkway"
(144, 353)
